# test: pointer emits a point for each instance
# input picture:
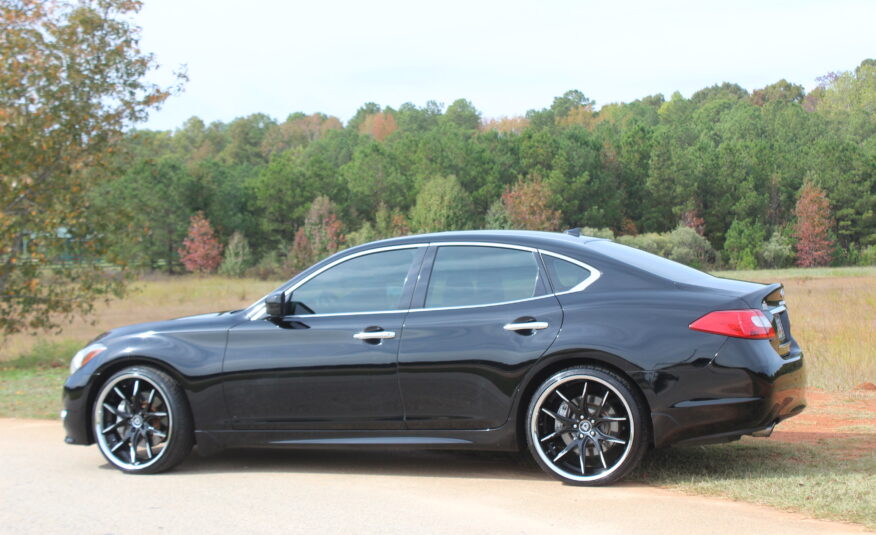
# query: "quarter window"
(474, 275)
(372, 282)
(564, 275)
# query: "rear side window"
(564, 275)
(475, 275)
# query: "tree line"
(722, 178)
(727, 177)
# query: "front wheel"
(586, 426)
(142, 422)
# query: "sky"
(506, 57)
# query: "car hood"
(210, 320)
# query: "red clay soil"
(834, 416)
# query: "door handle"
(374, 335)
(528, 326)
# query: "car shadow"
(413, 463)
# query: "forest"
(726, 178)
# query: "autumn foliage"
(320, 236)
(527, 206)
(201, 251)
(379, 125)
(812, 230)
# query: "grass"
(151, 299)
(813, 479)
(31, 393)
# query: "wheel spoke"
(135, 391)
(120, 443)
(119, 393)
(151, 397)
(148, 442)
(569, 447)
(581, 459)
(557, 417)
(598, 445)
(133, 452)
(120, 414)
(156, 432)
(603, 419)
(113, 426)
(160, 414)
(604, 399)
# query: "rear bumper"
(746, 389)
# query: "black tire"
(586, 426)
(142, 422)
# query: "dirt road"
(48, 487)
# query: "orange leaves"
(379, 125)
(527, 206)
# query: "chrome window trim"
(581, 286)
(258, 312)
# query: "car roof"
(531, 238)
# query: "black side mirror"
(275, 305)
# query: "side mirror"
(275, 305)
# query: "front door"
(332, 363)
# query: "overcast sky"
(506, 57)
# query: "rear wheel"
(585, 426)
(142, 422)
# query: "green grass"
(820, 481)
(31, 393)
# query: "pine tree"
(812, 230)
(201, 251)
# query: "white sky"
(506, 57)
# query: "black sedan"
(582, 351)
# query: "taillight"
(737, 323)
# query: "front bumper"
(746, 389)
(75, 416)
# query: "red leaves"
(812, 230)
(201, 251)
(528, 206)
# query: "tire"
(586, 426)
(142, 423)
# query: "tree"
(72, 80)
(442, 204)
(527, 205)
(201, 251)
(237, 258)
(320, 236)
(812, 230)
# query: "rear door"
(481, 315)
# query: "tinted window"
(564, 275)
(472, 275)
(367, 283)
(651, 263)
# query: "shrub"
(606, 233)
(238, 256)
(270, 267)
(688, 247)
(778, 252)
(743, 243)
(868, 256)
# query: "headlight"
(84, 355)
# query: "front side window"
(372, 282)
(466, 275)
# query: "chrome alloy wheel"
(582, 428)
(132, 421)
